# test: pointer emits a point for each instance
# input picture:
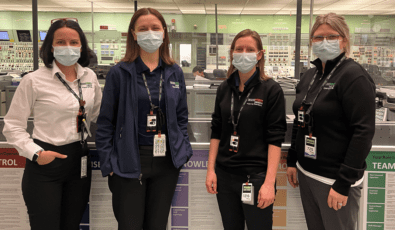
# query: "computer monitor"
(4, 36)
(43, 34)
(24, 36)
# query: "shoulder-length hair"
(133, 49)
(338, 23)
(46, 49)
(260, 64)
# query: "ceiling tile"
(159, 6)
(191, 6)
(264, 6)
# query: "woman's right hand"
(111, 173)
(47, 157)
(292, 177)
(211, 182)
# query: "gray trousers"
(318, 214)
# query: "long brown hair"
(260, 64)
(133, 49)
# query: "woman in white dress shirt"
(64, 98)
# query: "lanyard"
(160, 116)
(322, 86)
(81, 101)
(232, 110)
(149, 93)
(80, 98)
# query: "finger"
(330, 201)
(266, 204)
(335, 204)
(339, 205)
(295, 178)
(57, 155)
(345, 202)
(261, 203)
(208, 187)
(215, 186)
(290, 180)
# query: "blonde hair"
(338, 23)
(261, 63)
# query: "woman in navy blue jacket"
(142, 137)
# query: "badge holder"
(151, 122)
(310, 147)
(159, 145)
(234, 142)
(247, 192)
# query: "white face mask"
(66, 55)
(150, 41)
(244, 62)
(326, 50)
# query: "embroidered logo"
(329, 85)
(175, 84)
(86, 85)
(256, 101)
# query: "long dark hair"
(46, 49)
(133, 49)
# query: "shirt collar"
(330, 64)
(237, 79)
(141, 67)
(79, 69)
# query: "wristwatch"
(36, 155)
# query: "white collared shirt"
(53, 106)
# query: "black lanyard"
(322, 86)
(241, 108)
(80, 98)
(160, 116)
(81, 112)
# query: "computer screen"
(4, 36)
(24, 36)
(42, 35)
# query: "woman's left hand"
(336, 200)
(266, 196)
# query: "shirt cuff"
(32, 148)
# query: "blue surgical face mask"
(67, 55)
(244, 62)
(326, 50)
(150, 41)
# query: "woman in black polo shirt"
(245, 148)
(332, 134)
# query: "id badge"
(234, 143)
(151, 123)
(84, 166)
(310, 147)
(301, 116)
(160, 145)
(247, 193)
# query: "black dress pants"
(235, 214)
(145, 204)
(55, 194)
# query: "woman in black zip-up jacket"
(333, 130)
(247, 149)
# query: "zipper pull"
(141, 175)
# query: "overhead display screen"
(4, 36)
(24, 36)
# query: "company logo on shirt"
(329, 85)
(86, 85)
(256, 101)
(175, 84)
